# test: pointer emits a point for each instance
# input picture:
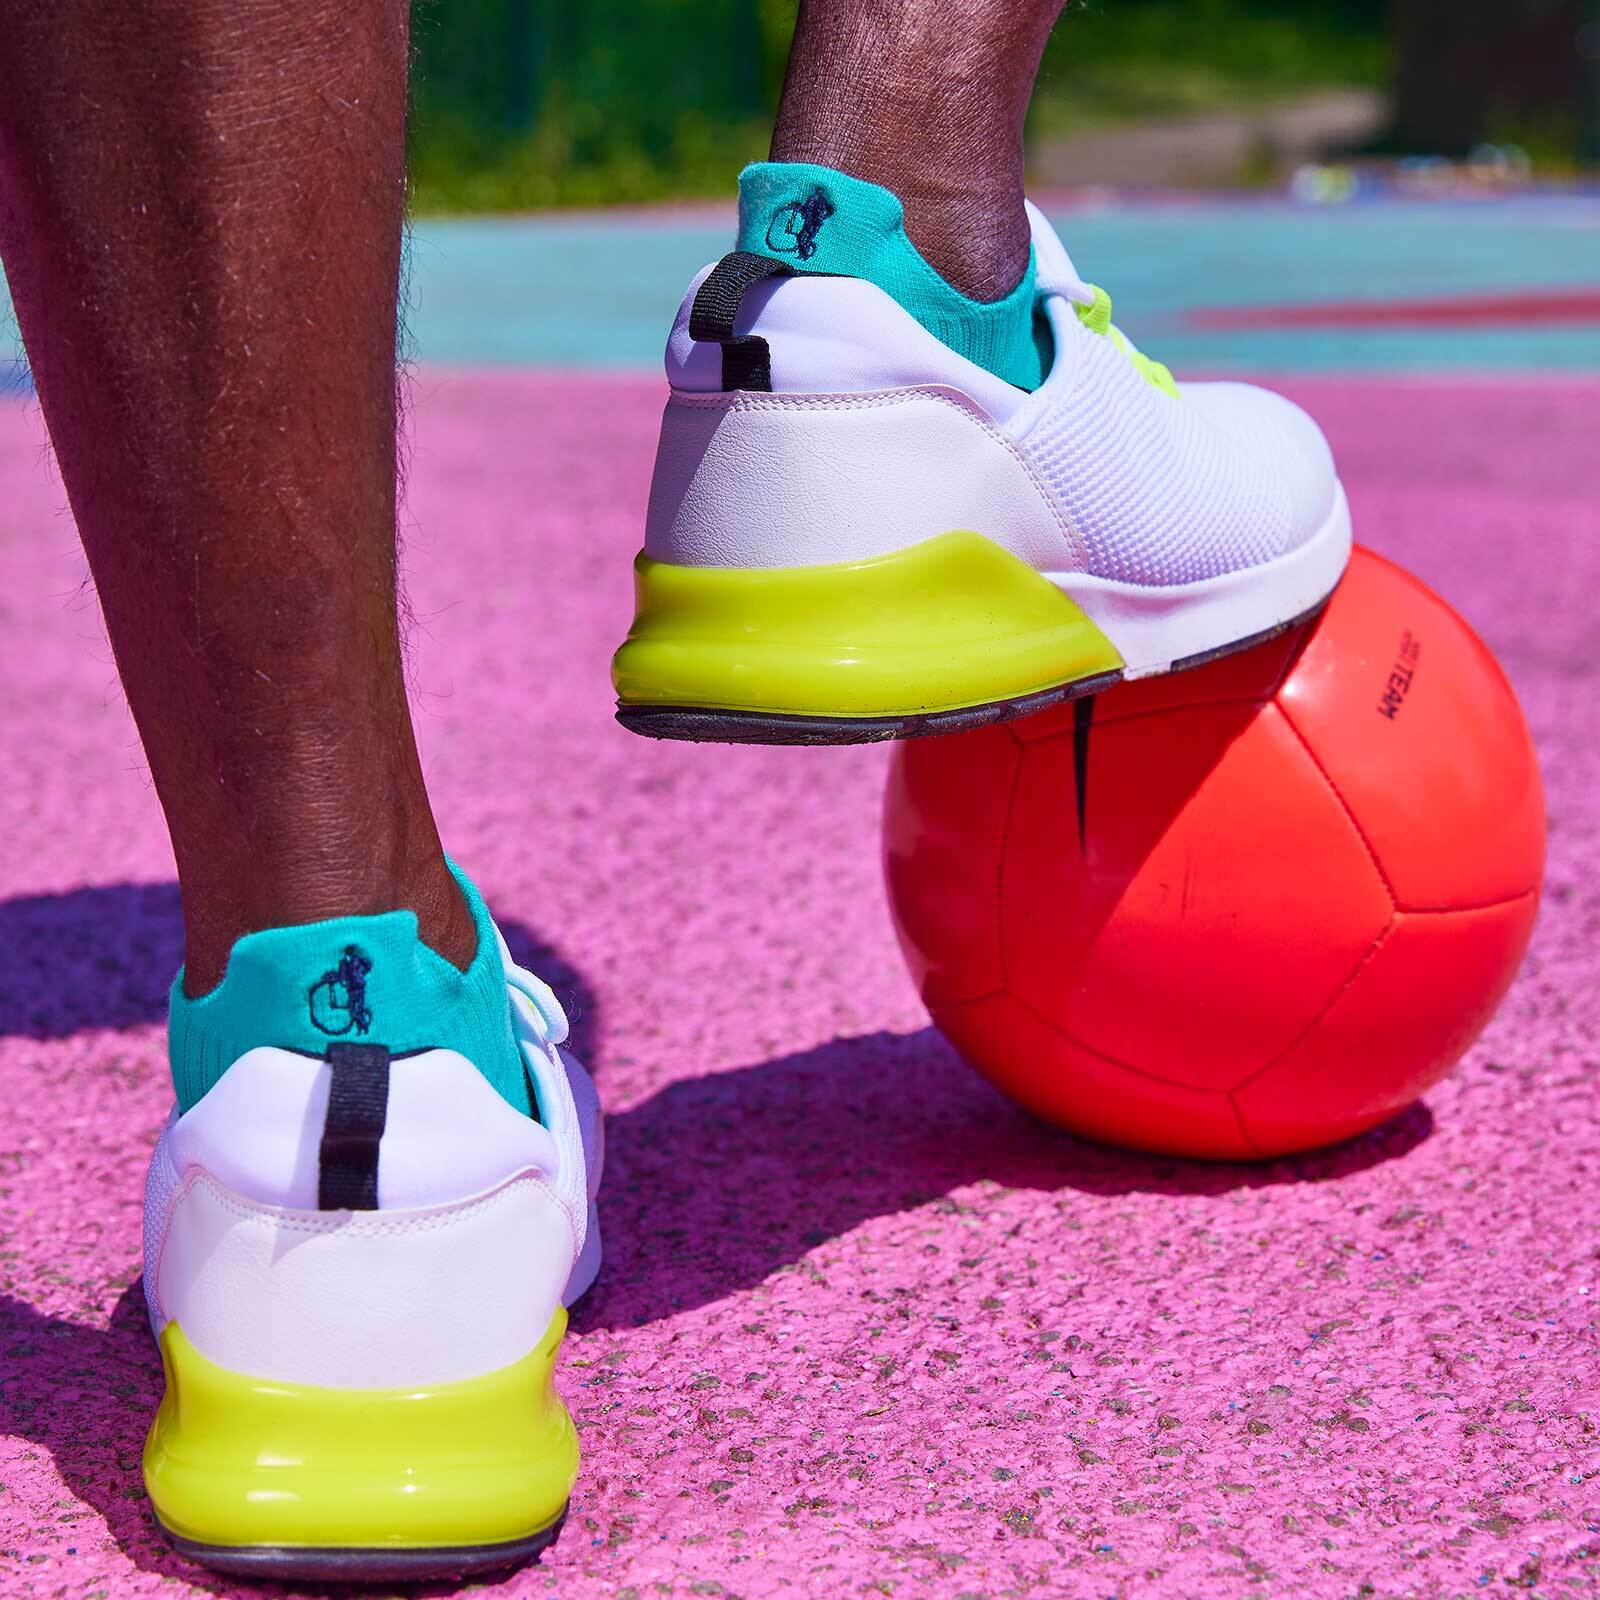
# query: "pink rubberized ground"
(863, 1329)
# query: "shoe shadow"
(105, 956)
(714, 1183)
(87, 1395)
(100, 957)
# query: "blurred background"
(531, 103)
(1372, 186)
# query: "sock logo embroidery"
(795, 228)
(339, 997)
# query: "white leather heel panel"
(785, 480)
(374, 1299)
(447, 1133)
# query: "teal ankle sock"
(814, 219)
(364, 980)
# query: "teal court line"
(598, 289)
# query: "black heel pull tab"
(358, 1108)
(746, 358)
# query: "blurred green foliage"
(523, 103)
(1123, 60)
(529, 103)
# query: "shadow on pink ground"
(864, 1327)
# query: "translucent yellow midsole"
(233, 1460)
(953, 622)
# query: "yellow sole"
(288, 1476)
(944, 626)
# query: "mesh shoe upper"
(1170, 491)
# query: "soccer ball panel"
(945, 810)
(1216, 901)
(1403, 1022)
(1060, 1080)
(1419, 731)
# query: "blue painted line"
(1366, 351)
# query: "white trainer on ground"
(360, 1386)
(856, 533)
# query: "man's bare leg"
(203, 207)
(200, 218)
(928, 98)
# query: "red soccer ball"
(1245, 909)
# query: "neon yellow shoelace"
(1096, 317)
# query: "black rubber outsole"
(707, 725)
(380, 1564)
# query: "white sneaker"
(357, 1267)
(855, 533)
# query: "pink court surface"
(864, 1328)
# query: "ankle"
(300, 888)
(970, 226)
(444, 923)
(977, 239)
(927, 98)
